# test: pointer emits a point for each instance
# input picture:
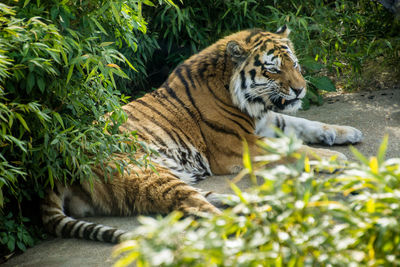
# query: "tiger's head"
(266, 73)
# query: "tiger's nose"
(297, 91)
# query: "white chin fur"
(292, 108)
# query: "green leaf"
(323, 83)
(99, 26)
(360, 156)
(30, 81)
(27, 239)
(173, 4)
(112, 79)
(54, 12)
(71, 69)
(246, 157)
(148, 3)
(11, 243)
(1, 197)
(115, 13)
(389, 44)
(41, 83)
(382, 149)
(51, 178)
(129, 63)
(310, 64)
(305, 104)
(26, 3)
(59, 119)
(21, 245)
(238, 192)
(127, 260)
(22, 121)
(106, 44)
(10, 122)
(19, 143)
(247, 162)
(64, 56)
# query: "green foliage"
(60, 69)
(296, 217)
(14, 235)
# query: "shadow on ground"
(374, 113)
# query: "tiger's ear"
(236, 51)
(284, 30)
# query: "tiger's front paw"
(337, 134)
(347, 135)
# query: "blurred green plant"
(296, 217)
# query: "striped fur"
(197, 121)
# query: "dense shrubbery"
(58, 67)
(296, 217)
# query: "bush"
(58, 67)
(295, 217)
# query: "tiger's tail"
(58, 223)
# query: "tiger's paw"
(347, 135)
(338, 135)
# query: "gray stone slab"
(374, 113)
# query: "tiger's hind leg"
(140, 192)
(161, 192)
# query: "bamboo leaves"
(59, 74)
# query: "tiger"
(240, 88)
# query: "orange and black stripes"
(58, 223)
(172, 125)
(212, 125)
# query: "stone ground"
(375, 113)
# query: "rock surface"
(374, 113)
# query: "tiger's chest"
(186, 163)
